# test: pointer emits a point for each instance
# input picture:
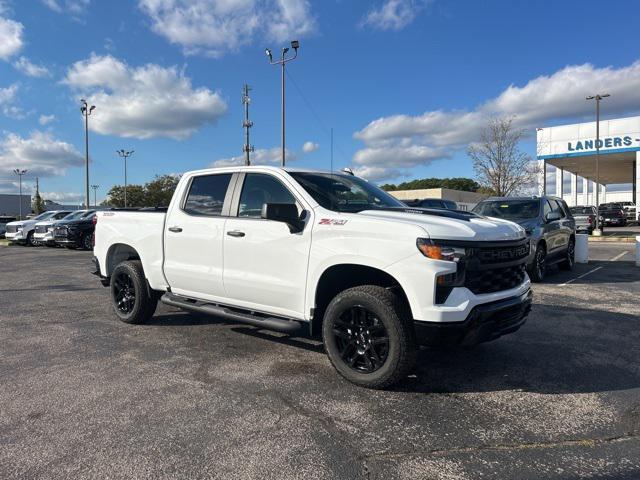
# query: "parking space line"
(579, 277)
(619, 256)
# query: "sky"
(406, 85)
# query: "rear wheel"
(569, 261)
(87, 241)
(538, 269)
(368, 336)
(129, 295)
(30, 241)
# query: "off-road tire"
(394, 315)
(537, 271)
(570, 258)
(143, 305)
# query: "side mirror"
(285, 213)
(553, 216)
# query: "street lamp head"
(267, 51)
(92, 108)
(605, 95)
(285, 50)
(295, 44)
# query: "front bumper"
(43, 237)
(15, 237)
(484, 323)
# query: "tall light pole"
(95, 197)
(597, 232)
(124, 154)
(283, 60)
(86, 111)
(20, 173)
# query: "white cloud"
(262, 156)
(64, 197)
(46, 119)
(40, 153)
(215, 27)
(393, 14)
(7, 102)
(11, 41)
(309, 147)
(24, 65)
(403, 141)
(74, 7)
(143, 102)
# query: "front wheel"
(538, 269)
(87, 241)
(570, 256)
(129, 295)
(30, 241)
(368, 336)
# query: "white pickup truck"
(319, 253)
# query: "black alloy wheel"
(124, 292)
(539, 267)
(362, 339)
(569, 260)
(87, 241)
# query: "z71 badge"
(331, 221)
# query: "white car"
(23, 231)
(319, 253)
(43, 231)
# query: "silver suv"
(549, 225)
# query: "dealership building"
(567, 157)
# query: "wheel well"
(338, 278)
(120, 252)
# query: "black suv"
(549, 225)
(76, 233)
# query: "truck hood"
(22, 223)
(452, 225)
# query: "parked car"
(308, 252)
(630, 210)
(612, 214)
(43, 231)
(3, 229)
(76, 232)
(432, 203)
(585, 217)
(22, 231)
(549, 225)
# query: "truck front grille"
(41, 229)
(12, 229)
(495, 279)
(60, 232)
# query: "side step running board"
(257, 320)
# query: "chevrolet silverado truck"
(323, 254)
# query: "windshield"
(509, 209)
(78, 214)
(581, 210)
(344, 193)
(44, 216)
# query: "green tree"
(458, 183)
(38, 204)
(135, 196)
(158, 192)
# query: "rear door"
(193, 235)
(265, 265)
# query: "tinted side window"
(259, 189)
(206, 195)
(58, 216)
(546, 208)
(429, 203)
(557, 207)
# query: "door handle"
(175, 229)
(235, 233)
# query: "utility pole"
(20, 173)
(597, 232)
(295, 44)
(246, 124)
(95, 198)
(124, 154)
(86, 110)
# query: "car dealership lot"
(186, 396)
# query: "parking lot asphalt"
(85, 396)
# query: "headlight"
(439, 251)
(49, 229)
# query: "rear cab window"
(207, 194)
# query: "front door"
(265, 265)
(193, 236)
